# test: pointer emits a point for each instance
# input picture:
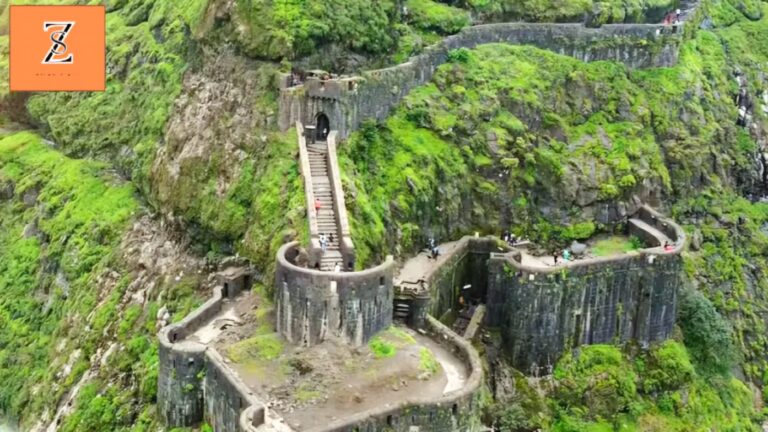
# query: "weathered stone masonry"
(349, 101)
(313, 305)
(541, 312)
(194, 384)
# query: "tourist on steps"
(323, 242)
(317, 206)
(677, 16)
(337, 268)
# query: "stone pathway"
(326, 217)
(422, 265)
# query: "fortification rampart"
(349, 101)
(461, 270)
(542, 311)
(313, 305)
(456, 411)
(194, 383)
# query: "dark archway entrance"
(323, 126)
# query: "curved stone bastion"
(543, 310)
(348, 101)
(313, 305)
(197, 384)
(194, 382)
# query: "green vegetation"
(428, 363)
(259, 348)
(72, 217)
(429, 15)
(382, 348)
(292, 28)
(615, 245)
(59, 241)
(599, 12)
(603, 389)
(307, 393)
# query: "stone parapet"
(309, 194)
(342, 221)
(456, 411)
(313, 305)
(542, 311)
(194, 383)
(351, 100)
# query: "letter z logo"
(59, 48)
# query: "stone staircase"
(652, 236)
(326, 217)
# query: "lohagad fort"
(394, 347)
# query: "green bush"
(668, 368)
(706, 334)
(433, 16)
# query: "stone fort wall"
(541, 312)
(313, 305)
(349, 101)
(195, 385)
(457, 411)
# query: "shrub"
(433, 16)
(706, 334)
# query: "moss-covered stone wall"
(541, 315)
(349, 102)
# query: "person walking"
(318, 204)
(677, 16)
(323, 242)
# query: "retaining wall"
(349, 101)
(182, 367)
(340, 207)
(457, 411)
(313, 305)
(542, 311)
(465, 264)
(194, 383)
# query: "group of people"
(672, 18)
(565, 256)
(509, 238)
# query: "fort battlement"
(543, 309)
(194, 382)
(314, 305)
(349, 101)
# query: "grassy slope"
(81, 217)
(64, 291)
